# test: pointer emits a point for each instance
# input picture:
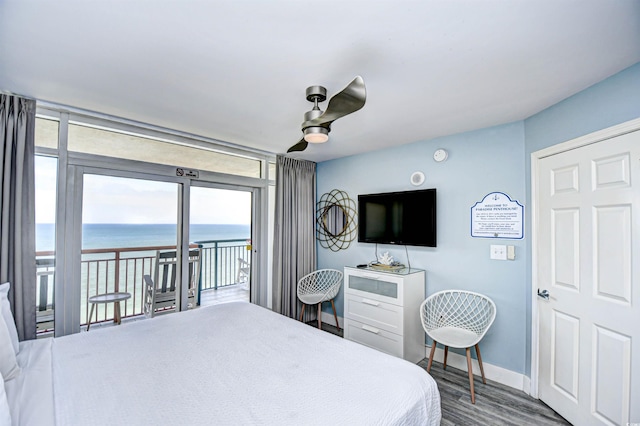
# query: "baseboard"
(526, 385)
(492, 372)
(327, 317)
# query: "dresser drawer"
(373, 337)
(382, 287)
(380, 315)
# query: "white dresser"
(382, 310)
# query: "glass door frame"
(68, 269)
(71, 170)
(72, 165)
(256, 237)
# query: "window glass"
(46, 176)
(272, 171)
(120, 145)
(46, 135)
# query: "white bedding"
(30, 395)
(234, 363)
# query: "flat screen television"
(405, 218)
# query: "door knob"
(544, 294)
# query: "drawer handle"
(370, 302)
(370, 329)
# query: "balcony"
(121, 270)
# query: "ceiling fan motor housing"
(317, 123)
(316, 93)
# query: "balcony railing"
(121, 270)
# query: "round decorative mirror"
(335, 219)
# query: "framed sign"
(497, 216)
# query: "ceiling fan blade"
(300, 146)
(349, 100)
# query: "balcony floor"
(232, 293)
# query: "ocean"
(106, 235)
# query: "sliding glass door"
(106, 189)
(125, 223)
(220, 225)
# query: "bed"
(234, 363)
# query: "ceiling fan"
(317, 123)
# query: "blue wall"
(481, 161)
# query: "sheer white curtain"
(294, 244)
(17, 210)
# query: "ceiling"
(237, 70)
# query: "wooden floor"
(496, 404)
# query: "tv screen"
(406, 218)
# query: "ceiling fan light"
(316, 134)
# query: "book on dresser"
(382, 310)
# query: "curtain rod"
(6, 92)
(147, 126)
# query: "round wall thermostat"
(440, 155)
(417, 178)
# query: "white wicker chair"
(459, 319)
(317, 287)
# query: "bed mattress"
(234, 363)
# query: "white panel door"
(588, 260)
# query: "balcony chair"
(317, 287)
(244, 270)
(160, 293)
(459, 319)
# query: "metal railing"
(111, 270)
(220, 262)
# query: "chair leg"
(480, 362)
(320, 315)
(446, 352)
(302, 311)
(433, 351)
(470, 368)
(335, 315)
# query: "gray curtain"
(17, 210)
(294, 244)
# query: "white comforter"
(233, 364)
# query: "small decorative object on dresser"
(381, 310)
(386, 263)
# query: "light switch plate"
(498, 252)
(511, 252)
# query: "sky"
(123, 200)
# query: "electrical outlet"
(498, 252)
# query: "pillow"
(8, 364)
(5, 414)
(5, 310)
